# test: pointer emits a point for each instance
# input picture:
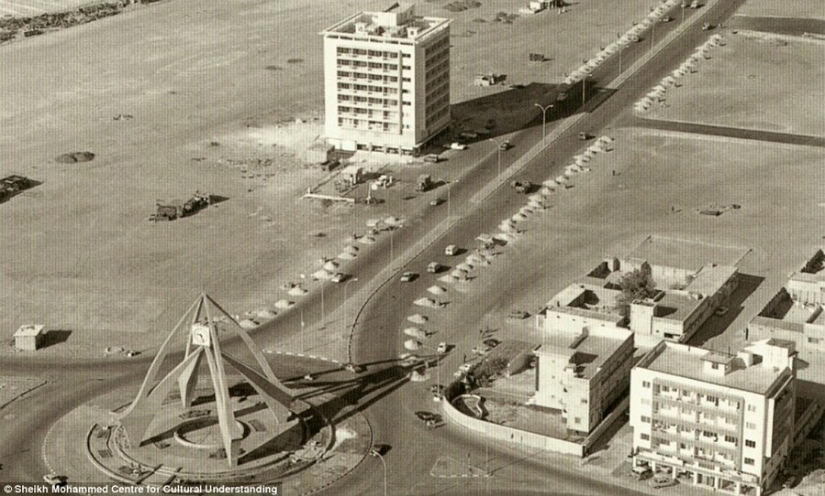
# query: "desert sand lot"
(223, 84)
(797, 8)
(755, 81)
(213, 90)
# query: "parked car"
(707, 26)
(457, 146)
(641, 472)
(505, 145)
(721, 311)
(442, 348)
(791, 481)
(339, 277)
(55, 480)
(661, 480)
(451, 250)
(665, 19)
(465, 367)
(432, 158)
(408, 276)
(518, 314)
(694, 4)
(491, 342)
(584, 136)
(436, 202)
(434, 267)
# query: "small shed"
(318, 153)
(29, 337)
(353, 174)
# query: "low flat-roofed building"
(797, 311)
(721, 421)
(29, 337)
(583, 372)
(578, 305)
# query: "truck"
(177, 209)
(424, 183)
(522, 186)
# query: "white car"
(339, 277)
(458, 146)
(465, 367)
(442, 348)
(54, 480)
(451, 250)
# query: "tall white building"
(386, 80)
(721, 421)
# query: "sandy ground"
(795, 8)
(729, 89)
(12, 388)
(213, 91)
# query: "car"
(55, 480)
(661, 480)
(434, 267)
(721, 311)
(442, 348)
(641, 472)
(666, 19)
(436, 388)
(339, 277)
(584, 136)
(465, 367)
(707, 26)
(491, 342)
(695, 4)
(436, 202)
(791, 482)
(355, 369)
(408, 276)
(432, 158)
(451, 250)
(458, 146)
(505, 145)
(517, 314)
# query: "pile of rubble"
(31, 26)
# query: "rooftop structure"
(29, 337)
(715, 419)
(797, 311)
(387, 80)
(582, 373)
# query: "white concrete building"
(29, 337)
(386, 80)
(582, 373)
(720, 421)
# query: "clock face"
(201, 335)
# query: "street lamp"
(392, 235)
(345, 301)
(303, 350)
(584, 88)
(543, 121)
(374, 453)
(498, 147)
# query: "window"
(665, 389)
(751, 408)
(730, 439)
(584, 401)
(748, 461)
(750, 425)
(645, 384)
(645, 401)
(750, 444)
(813, 340)
(645, 419)
(577, 420)
(645, 437)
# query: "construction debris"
(11, 185)
(177, 209)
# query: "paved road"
(393, 420)
(409, 461)
(729, 132)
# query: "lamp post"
(374, 453)
(584, 88)
(683, 11)
(498, 148)
(303, 350)
(345, 301)
(392, 235)
(543, 121)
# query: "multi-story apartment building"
(716, 420)
(583, 372)
(386, 80)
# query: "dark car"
(518, 314)
(408, 276)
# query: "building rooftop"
(676, 305)
(685, 361)
(588, 351)
(398, 23)
(710, 278)
(28, 330)
(583, 298)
